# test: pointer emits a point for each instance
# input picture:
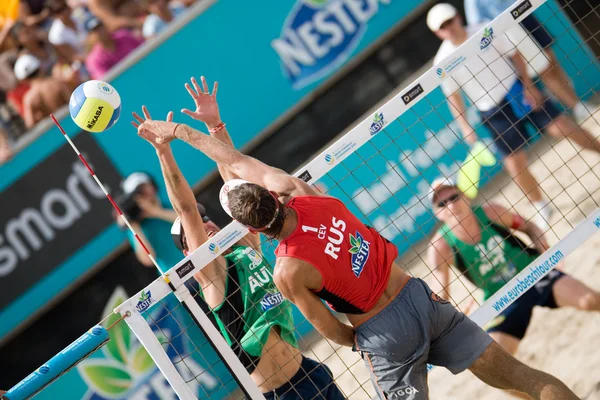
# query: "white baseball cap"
(26, 66)
(439, 14)
(439, 184)
(134, 181)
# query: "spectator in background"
(32, 12)
(45, 94)
(162, 13)
(118, 14)
(34, 41)
(66, 34)
(554, 77)
(108, 48)
(497, 83)
(150, 219)
(6, 151)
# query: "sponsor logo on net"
(224, 242)
(305, 176)
(213, 248)
(319, 35)
(487, 38)
(360, 253)
(145, 301)
(377, 124)
(412, 93)
(521, 9)
(340, 151)
(405, 391)
(185, 269)
(450, 66)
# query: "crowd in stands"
(49, 47)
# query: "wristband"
(217, 128)
(175, 130)
(516, 222)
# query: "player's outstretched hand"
(207, 109)
(149, 133)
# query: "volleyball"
(95, 106)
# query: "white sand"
(563, 342)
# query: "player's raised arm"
(246, 167)
(212, 277)
(207, 111)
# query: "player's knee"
(590, 302)
(562, 126)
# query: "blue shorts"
(515, 319)
(313, 381)
(508, 121)
(537, 31)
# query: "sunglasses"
(447, 201)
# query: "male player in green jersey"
(238, 286)
(480, 243)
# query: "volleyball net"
(383, 169)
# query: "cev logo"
(105, 88)
(329, 159)
(213, 248)
(441, 73)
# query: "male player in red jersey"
(326, 253)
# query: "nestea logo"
(319, 35)
(377, 124)
(145, 301)
(360, 253)
(487, 39)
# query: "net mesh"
(386, 182)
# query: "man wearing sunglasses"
(497, 82)
(326, 253)
(251, 313)
(480, 243)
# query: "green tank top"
(494, 260)
(251, 294)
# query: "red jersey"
(354, 260)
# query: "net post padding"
(144, 333)
(211, 333)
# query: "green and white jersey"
(495, 259)
(252, 306)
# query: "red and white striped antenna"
(108, 196)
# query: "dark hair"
(254, 206)
(57, 6)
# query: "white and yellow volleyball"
(95, 106)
